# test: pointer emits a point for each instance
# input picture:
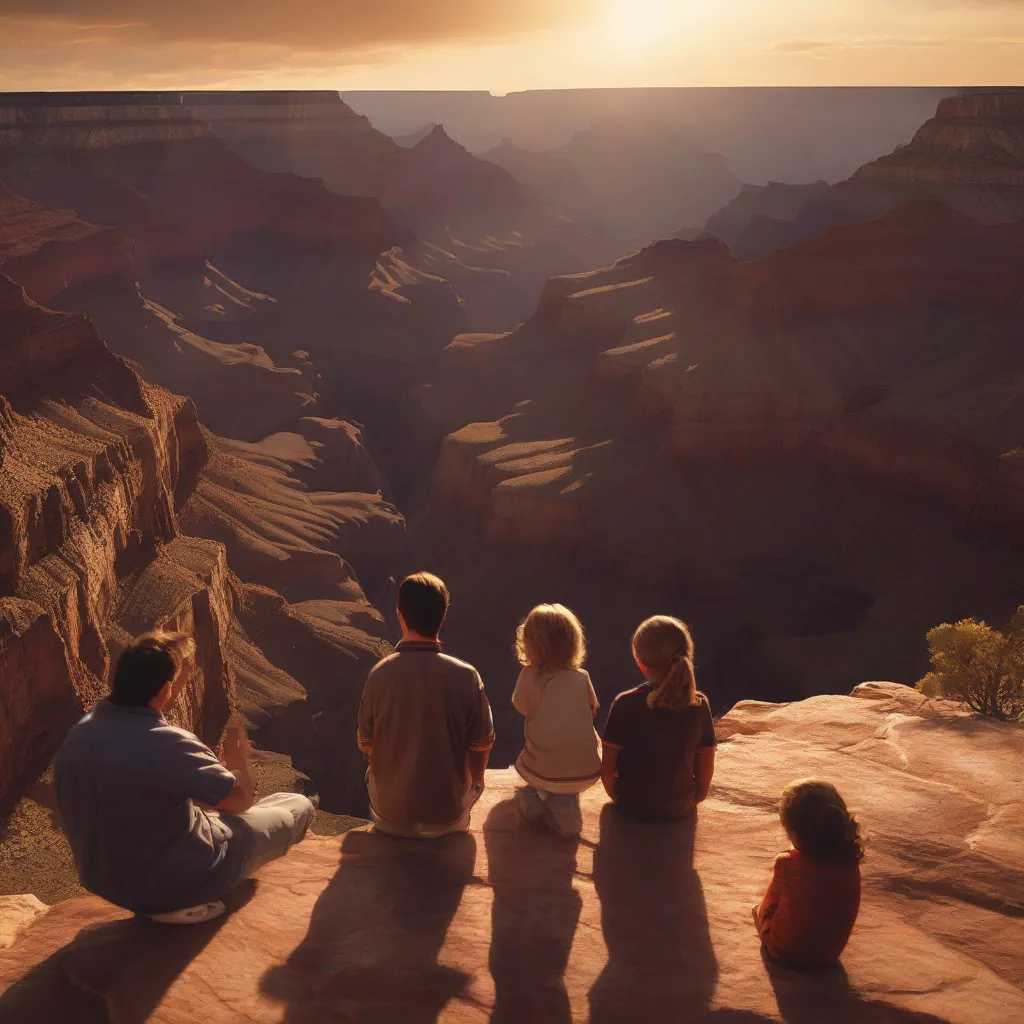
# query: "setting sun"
(639, 24)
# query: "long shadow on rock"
(811, 996)
(661, 966)
(120, 970)
(371, 952)
(533, 918)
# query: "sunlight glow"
(639, 24)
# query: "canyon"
(968, 156)
(259, 359)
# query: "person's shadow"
(371, 951)
(127, 965)
(661, 966)
(533, 918)
(810, 996)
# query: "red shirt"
(809, 910)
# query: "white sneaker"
(191, 915)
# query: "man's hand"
(237, 748)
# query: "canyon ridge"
(260, 358)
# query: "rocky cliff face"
(92, 457)
(515, 923)
(755, 213)
(47, 251)
(476, 224)
(66, 262)
(552, 176)
(120, 514)
(970, 156)
(316, 134)
(716, 433)
(58, 145)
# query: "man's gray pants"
(268, 830)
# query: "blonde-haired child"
(811, 905)
(659, 740)
(562, 755)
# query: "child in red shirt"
(811, 905)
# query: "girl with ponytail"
(659, 741)
(811, 905)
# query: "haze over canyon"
(748, 357)
(261, 358)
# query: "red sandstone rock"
(161, 150)
(91, 459)
(47, 251)
(969, 156)
(513, 923)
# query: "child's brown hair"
(664, 648)
(817, 820)
(551, 638)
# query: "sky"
(506, 45)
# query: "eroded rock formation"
(511, 922)
(92, 458)
(120, 514)
(756, 211)
(970, 156)
(473, 218)
(713, 435)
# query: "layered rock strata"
(120, 514)
(92, 457)
(714, 435)
(969, 156)
(70, 264)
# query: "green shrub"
(980, 666)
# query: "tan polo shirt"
(421, 714)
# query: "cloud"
(821, 47)
(338, 25)
(805, 45)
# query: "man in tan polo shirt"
(425, 723)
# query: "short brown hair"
(146, 665)
(423, 603)
(818, 822)
(551, 637)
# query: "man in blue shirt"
(157, 824)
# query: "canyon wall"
(777, 451)
(970, 156)
(119, 514)
(91, 459)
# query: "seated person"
(425, 723)
(811, 905)
(562, 755)
(659, 740)
(135, 794)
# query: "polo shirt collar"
(412, 646)
(107, 707)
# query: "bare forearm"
(610, 772)
(704, 772)
(478, 765)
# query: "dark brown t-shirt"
(657, 749)
(420, 715)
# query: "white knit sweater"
(563, 751)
